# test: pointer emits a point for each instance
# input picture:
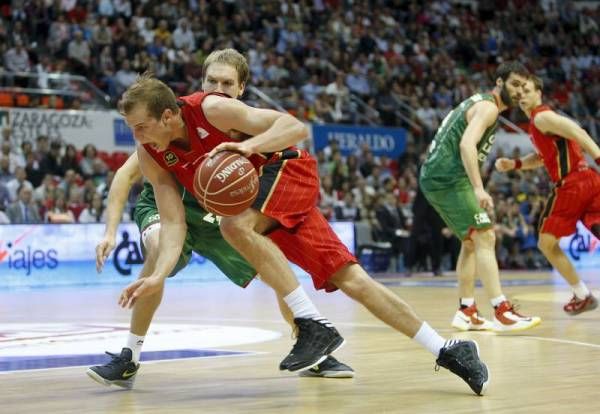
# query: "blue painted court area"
(20, 363)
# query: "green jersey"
(444, 166)
(203, 236)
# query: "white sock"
(498, 300)
(430, 339)
(135, 343)
(467, 302)
(580, 290)
(300, 305)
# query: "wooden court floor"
(554, 368)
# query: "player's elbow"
(466, 147)
(299, 129)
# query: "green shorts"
(203, 237)
(458, 207)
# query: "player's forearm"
(468, 154)
(531, 161)
(117, 198)
(285, 132)
(587, 143)
(171, 238)
(149, 266)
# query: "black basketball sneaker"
(120, 371)
(316, 340)
(462, 359)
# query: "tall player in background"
(451, 181)
(558, 141)
(287, 201)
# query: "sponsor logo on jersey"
(482, 218)
(202, 133)
(170, 158)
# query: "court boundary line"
(443, 330)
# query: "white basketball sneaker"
(468, 319)
(507, 319)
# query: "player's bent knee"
(547, 242)
(151, 242)
(468, 245)
(234, 227)
(484, 238)
(352, 280)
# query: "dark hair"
(88, 146)
(512, 66)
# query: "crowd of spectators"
(51, 182)
(314, 56)
(385, 62)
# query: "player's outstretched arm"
(270, 130)
(122, 182)
(172, 230)
(549, 122)
(528, 162)
(484, 115)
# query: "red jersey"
(203, 137)
(560, 155)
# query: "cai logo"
(21, 257)
(126, 255)
(582, 243)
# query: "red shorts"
(289, 190)
(576, 197)
(314, 246)
(289, 187)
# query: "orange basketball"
(226, 184)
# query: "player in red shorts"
(576, 196)
(175, 134)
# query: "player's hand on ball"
(504, 164)
(485, 200)
(144, 286)
(240, 147)
(103, 250)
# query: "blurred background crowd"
(381, 62)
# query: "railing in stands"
(55, 84)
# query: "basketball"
(226, 184)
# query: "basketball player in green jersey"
(203, 236)
(451, 181)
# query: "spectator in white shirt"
(183, 37)
(95, 213)
(19, 181)
(16, 59)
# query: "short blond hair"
(150, 91)
(538, 83)
(229, 57)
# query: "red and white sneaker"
(468, 319)
(577, 306)
(506, 318)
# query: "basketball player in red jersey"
(559, 141)
(176, 134)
